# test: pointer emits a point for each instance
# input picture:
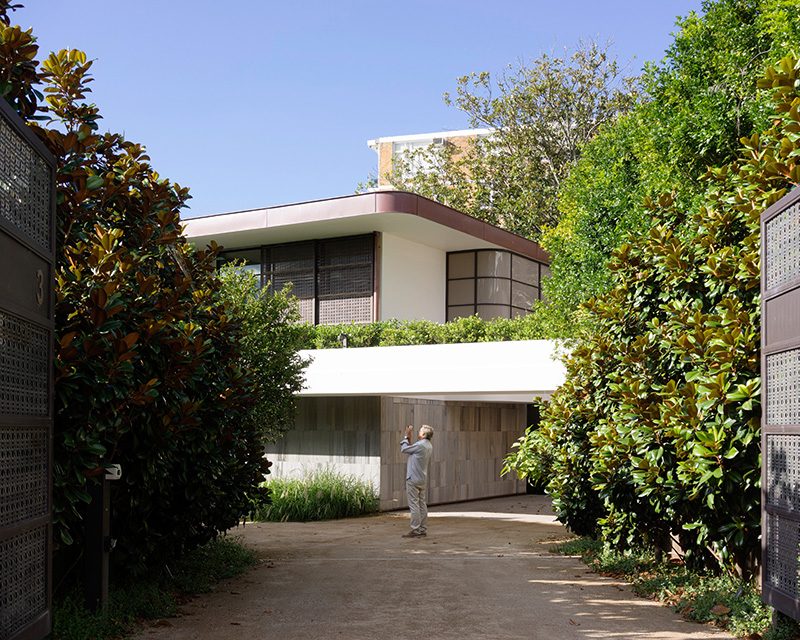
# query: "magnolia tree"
(150, 368)
(656, 434)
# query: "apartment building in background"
(388, 148)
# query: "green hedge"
(655, 435)
(390, 333)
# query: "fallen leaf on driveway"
(577, 624)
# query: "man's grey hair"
(427, 432)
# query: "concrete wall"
(340, 432)
(412, 280)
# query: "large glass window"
(492, 284)
(332, 279)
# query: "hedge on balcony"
(392, 332)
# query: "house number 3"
(40, 287)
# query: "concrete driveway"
(483, 571)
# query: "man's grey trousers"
(418, 504)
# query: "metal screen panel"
(333, 280)
(26, 179)
(23, 474)
(782, 238)
(345, 282)
(24, 367)
(338, 311)
(782, 380)
(781, 570)
(23, 567)
(780, 371)
(291, 264)
(27, 207)
(783, 480)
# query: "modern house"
(384, 255)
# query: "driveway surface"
(483, 571)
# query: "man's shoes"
(414, 534)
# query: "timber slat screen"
(27, 215)
(780, 373)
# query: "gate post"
(780, 390)
(27, 266)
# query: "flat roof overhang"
(406, 215)
(479, 372)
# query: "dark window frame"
(476, 303)
(316, 269)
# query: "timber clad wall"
(361, 436)
(342, 431)
(470, 441)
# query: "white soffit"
(401, 214)
(483, 371)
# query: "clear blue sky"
(255, 103)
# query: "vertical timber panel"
(780, 375)
(469, 444)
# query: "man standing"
(419, 454)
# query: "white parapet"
(483, 371)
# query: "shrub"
(324, 494)
(655, 433)
(390, 333)
(269, 344)
(154, 595)
(723, 600)
(149, 371)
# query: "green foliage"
(152, 596)
(601, 201)
(149, 371)
(269, 344)
(199, 570)
(656, 432)
(704, 98)
(542, 115)
(722, 600)
(323, 494)
(699, 101)
(391, 333)
(18, 74)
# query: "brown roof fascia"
(400, 202)
(417, 205)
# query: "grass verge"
(157, 595)
(323, 494)
(722, 600)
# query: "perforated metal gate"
(27, 206)
(780, 370)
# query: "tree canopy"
(655, 434)
(697, 103)
(542, 113)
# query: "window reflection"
(492, 284)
